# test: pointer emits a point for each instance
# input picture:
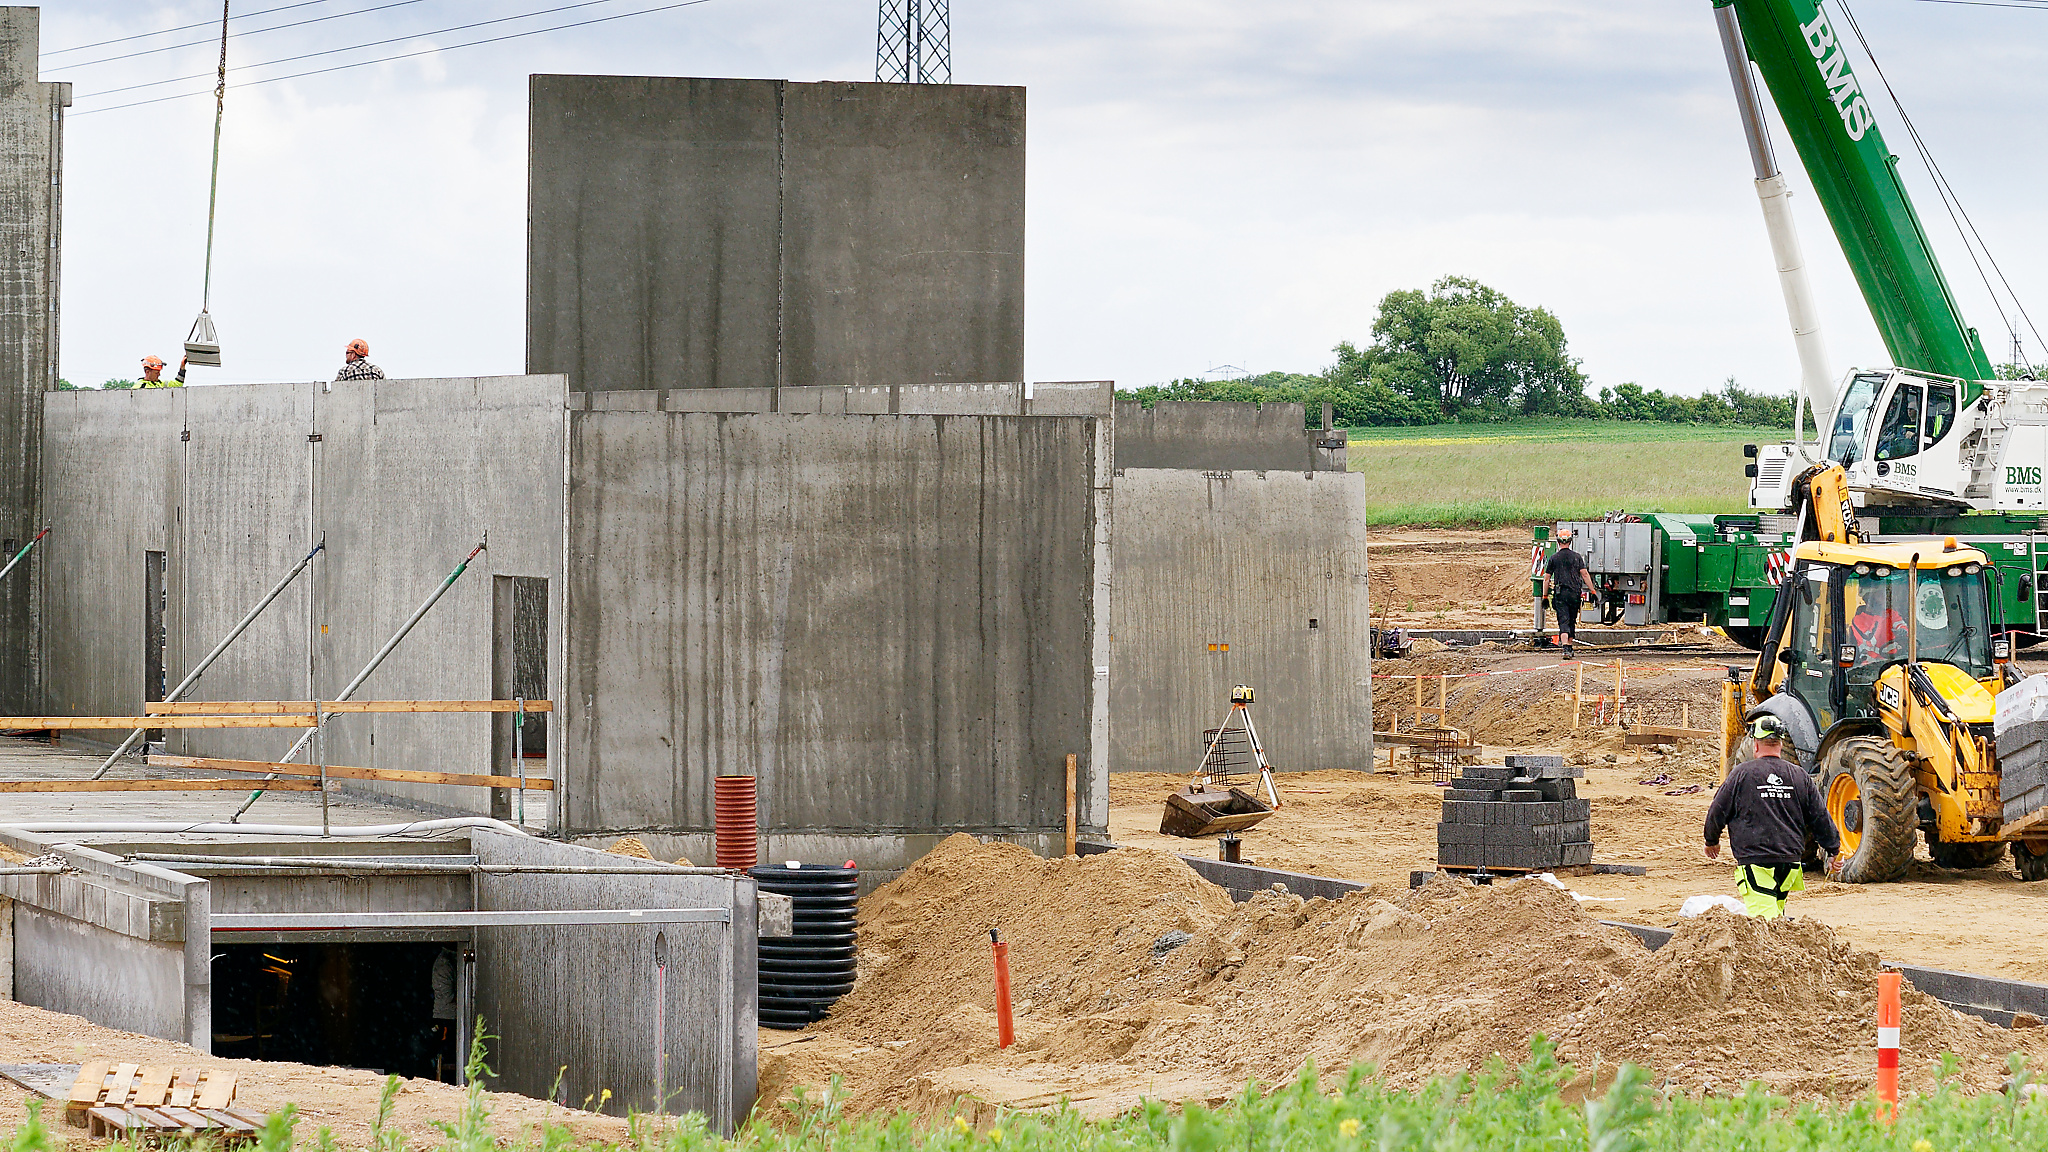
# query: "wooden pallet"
(156, 1104)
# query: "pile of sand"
(1134, 977)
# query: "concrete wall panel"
(699, 233)
(905, 234)
(1244, 560)
(1220, 436)
(120, 981)
(31, 209)
(888, 619)
(585, 998)
(405, 476)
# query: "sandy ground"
(342, 1099)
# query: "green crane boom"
(1827, 112)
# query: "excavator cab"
(1884, 661)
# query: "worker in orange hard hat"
(358, 366)
(153, 373)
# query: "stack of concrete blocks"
(1524, 816)
(2023, 769)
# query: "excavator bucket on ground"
(1195, 811)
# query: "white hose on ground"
(217, 828)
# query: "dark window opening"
(1311, 623)
(389, 1008)
(519, 670)
(155, 597)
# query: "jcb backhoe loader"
(1883, 660)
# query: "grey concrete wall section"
(1249, 561)
(403, 479)
(887, 619)
(112, 486)
(590, 998)
(705, 233)
(904, 234)
(31, 211)
(1221, 436)
(68, 965)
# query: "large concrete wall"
(1246, 560)
(581, 1003)
(700, 233)
(1223, 436)
(236, 483)
(890, 619)
(31, 160)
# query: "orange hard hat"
(359, 347)
(151, 362)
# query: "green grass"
(1536, 471)
(1542, 1106)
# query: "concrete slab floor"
(22, 759)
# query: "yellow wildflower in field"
(1350, 1128)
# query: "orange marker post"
(1006, 1028)
(1887, 1044)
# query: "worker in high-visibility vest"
(1769, 806)
(153, 372)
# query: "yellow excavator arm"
(1820, 498)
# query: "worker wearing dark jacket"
(1566, 573)
(1769, 806)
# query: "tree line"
(1463, 352)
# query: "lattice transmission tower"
(914, 43)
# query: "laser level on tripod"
(1215, 802)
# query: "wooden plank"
(122, 1082)
(152, 1087)
(218, 1091)
(344, 772)
(183, 1086)
(232, 1121)
(259, 707)
(71, 723)
(152, 785)
(2031, 822)
(191, 1121)
(107, 1122)
(1635, 739)
(89, 1083)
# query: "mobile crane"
(1930, 446)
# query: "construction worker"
(153, 372)
(358, 366)
(1565, 573)
(1769, 806)
(1875, 635)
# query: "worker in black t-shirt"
(1565, 572)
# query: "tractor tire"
(1969, 854)
(2030, 864)
(1750, 638)
(1872, 798)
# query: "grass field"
(1488, 475)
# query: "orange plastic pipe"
(1887, 1044)
(1006, 1028)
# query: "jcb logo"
(1836, 74)
(2017, 476)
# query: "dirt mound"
(1133, 976)
(1075, 927)
(1731, 999)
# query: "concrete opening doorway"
(388, 1007)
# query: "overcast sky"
(1210, 183)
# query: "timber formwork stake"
(321, 719)
(234, 633)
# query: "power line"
(1958, 215)
(168, 31)
(251, 32)
(349, 48)
(1991, 4)
(402, 56)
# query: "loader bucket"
(1196, 814)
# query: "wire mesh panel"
(1227, 757)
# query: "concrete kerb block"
(1473, 794)
(1522, 795)
(1486, 772)
(1527, 760)
(1571, 855)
